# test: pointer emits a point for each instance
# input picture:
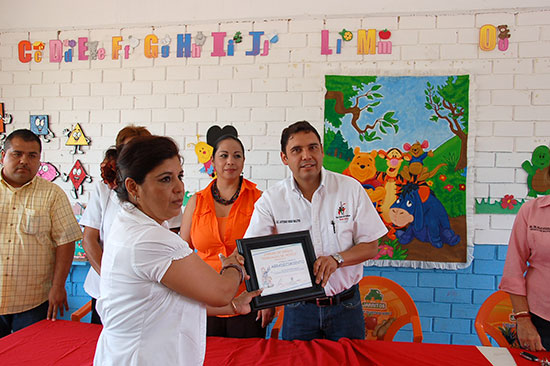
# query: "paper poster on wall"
(79, 252)
(40, 125)
(404, 138)
(4, 120)
(538, 180)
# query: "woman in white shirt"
(100, 213)
(155, 291)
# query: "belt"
(336, 299)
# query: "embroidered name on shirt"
(291, 221)
(543, 229)
(343, 218)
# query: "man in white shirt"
(344, 228)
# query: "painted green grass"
(484, 206)
(334, 164)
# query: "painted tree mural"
(359, 99)
(335, 145)
(383, 131)
(449, 103)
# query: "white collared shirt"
(339, 216)
(144, 322)
(100, 213)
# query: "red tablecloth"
(65, 343)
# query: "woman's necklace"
(218, 198)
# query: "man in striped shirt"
(37, 234)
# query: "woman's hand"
(242, 302)
(234, 258)
(528, 336)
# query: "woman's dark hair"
(140, 156)
(108, 168)
(223, 138)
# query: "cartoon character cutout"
(40, 125)
(204, 154)
(48, 171)
(4, 120)
(204, 150)
(76, 138)
(77, 176)
(537, 170)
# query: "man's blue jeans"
(306, 321)
(15, 322)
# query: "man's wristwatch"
(338, 258)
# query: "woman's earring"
(135, 197)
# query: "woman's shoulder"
(146, 234)
(252, 187)
(203, 193)
(536, 204)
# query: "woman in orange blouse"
(214, 218)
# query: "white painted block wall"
(510, 110)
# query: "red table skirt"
(68, 343)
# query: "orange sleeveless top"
(206, 235)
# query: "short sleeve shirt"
(339, 216)
(34, 220)
(527, 267)
(144, 322)
(100, 213)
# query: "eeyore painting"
(418, 126)
(427, 220)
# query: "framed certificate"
(283, 266)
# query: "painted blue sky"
(404, 95)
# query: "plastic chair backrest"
(279, 313)
(495, 319)
(387, 307)
(81, 313)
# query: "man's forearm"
(63, 260)
(359, 253)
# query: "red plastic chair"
(279, 313)
(495, 318)
(81, 313)
(387, 307)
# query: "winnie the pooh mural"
(405, 139)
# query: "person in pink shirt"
(526, 274)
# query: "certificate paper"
(281, 264)
(281, 269)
